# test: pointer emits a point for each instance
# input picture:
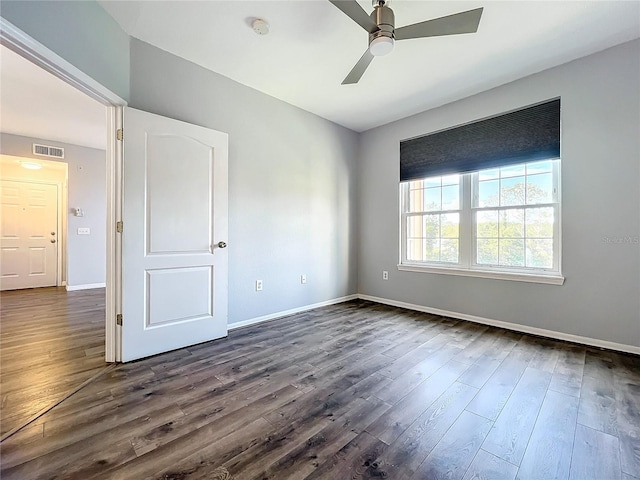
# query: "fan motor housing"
(385, 19)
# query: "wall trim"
(594, 342)
(86, 286)
(304, 308)
(18, 41)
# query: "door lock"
(222, 245)
(53, 240)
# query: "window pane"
(414, 250)
(432, 226)
(539, 167)
(539, 253)
(432, 250)
(512, 223)
(539, 188)
(432, 182)
(432, 199)
(488, 193)
(511, 252)
(539, 222)
(487, 225)
(449, 250)
(450, 225)
(451, 180)
(511, 227)
(415, 226)
(512, 171)
(451, 197)
(487, 253)
(489, 174)
(512, 191)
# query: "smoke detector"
(261, 27)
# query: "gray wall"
(600, 198)
(81, 32)
(86, 254)
(294, 196)
(292, 187)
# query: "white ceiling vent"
(48, 151)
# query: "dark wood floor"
(356, 390)
(51, 341)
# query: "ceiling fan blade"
(354, 11)
(356, 72)
(464, 22)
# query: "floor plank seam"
(48, 408)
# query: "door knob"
(53, 233)
(53, 240)
(222, 245)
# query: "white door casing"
(174, 212)
(29, 235)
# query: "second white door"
(29, 239)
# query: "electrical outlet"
(385, 275)
(303, 279)
(258, 285)
(84, 231)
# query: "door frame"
(61, 224)
(26, 46)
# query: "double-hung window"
(498, 215)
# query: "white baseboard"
(86, 286)
(272, 316)
(509, 326)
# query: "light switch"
(84, 231)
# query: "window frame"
(467, 252)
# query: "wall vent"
(48, 151)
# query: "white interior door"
(174, 261)
(28, 241)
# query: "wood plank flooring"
(351, 391)
(51, 341)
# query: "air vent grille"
(48, 151)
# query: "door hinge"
(119, 227)
(119, 134)
(119, 319)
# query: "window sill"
(463, 272)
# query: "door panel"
(174, 277)
(28, 241)
(171, 206)
(169, 287)
(37, 261)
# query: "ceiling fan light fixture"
(381, 46)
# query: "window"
(482, 199)
(500, 220)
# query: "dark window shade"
(529, 134)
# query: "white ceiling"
(312, 46)
(300, 64)
(34, 103)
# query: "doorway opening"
(60, 363)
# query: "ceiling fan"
(382, 32)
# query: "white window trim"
(551, 279)
(467, 257)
